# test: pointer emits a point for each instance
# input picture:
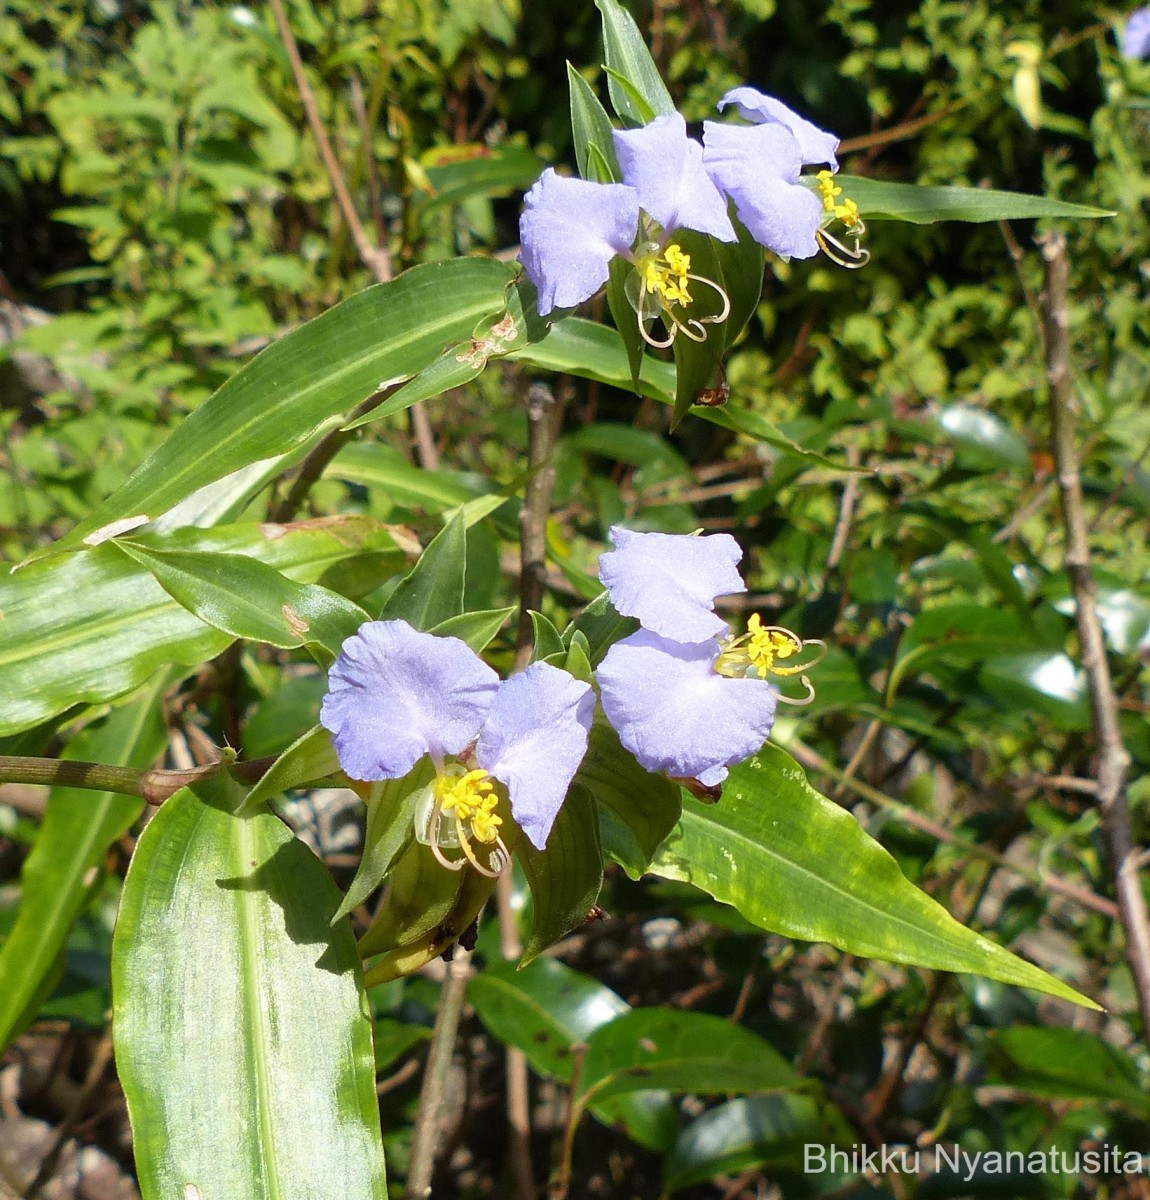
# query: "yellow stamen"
(756, 654)
(463, 807)
(828, 189)
(660, 288)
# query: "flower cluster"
(571, 229)
(396, 694)
(685, 695)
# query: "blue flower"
(684, 694)
(815, 144)
(572, 229)
(1136, 34)
(396, 694)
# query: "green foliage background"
(164, 214)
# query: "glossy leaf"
(591, 127)
(565, 876)
(56, 611)
(754, 1131)
(478, 629)
(59, 875)
(391, 812)
(326, 367)
(234, 1087)
(546, 1009)
(627, 55)
(578, 347)
(309, 758)
(601, 625)
(986, 434)
(1069, 1063)
(433, 591)
(248, 599)
(681, 1052)
(923, 205)
(381, 468)
(637, 810)
(795, 863)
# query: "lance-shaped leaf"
(922, 205)
(60, 874)
(56, 611)
(637, 89)
(242, 1033)
(248, 599)
(795, 863)
(328, 366)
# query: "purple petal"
(675, 714)
(534, 740)
(396, 694)
(669, 581)
(815, 144)
(666, 168)
(758, 167)
(569, 232)
(1136, 35)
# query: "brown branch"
(544, 418)
(377, 259)
(428, 1122)
(151, 786)
(1113, 761)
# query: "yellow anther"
(848, 213)
(767, 645)
(464, 795)
(828, 190)
(665, 275)
(659, 288)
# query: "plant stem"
(1113, 761)
(544, 418)
(152, 786)
(425, 1139)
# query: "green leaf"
(698, 364)
(235, 996)
(602, 625)
(566, 876)
(924, 205)
(591, 128)
(795, 863)
(248, 599)
(309, 758)
(391, 811)
(60, 874)
(629, 59)
(382, 469)
(986, 434)
(477, 629)
(637, 809)
(546, 1009)
(1068, 1063)
(546, 637)
(326, 367)
(681, 1052)
(592, 351)
(751, 1132)
(56, 611)
(433, 591)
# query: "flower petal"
(815, 145)
(1135, 35)
(534, 740)
(675, 713)
(396, 694)
(669, 581)
(666, 168)
(569, 232)
(758, 167)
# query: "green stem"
(152, 786)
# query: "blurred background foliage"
(164, 213)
